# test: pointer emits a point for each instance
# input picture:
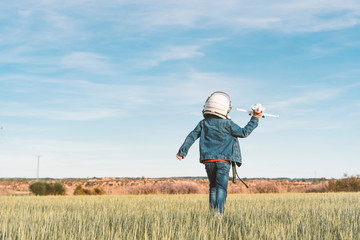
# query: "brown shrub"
(320, 187)
(44, 188)
(140, 189)
(79, 190)
(237, 188)
(167, 187)
(266, 187)
(99, 191)
(347, 184)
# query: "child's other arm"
(189, 140)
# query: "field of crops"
(250, 216)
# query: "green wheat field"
(247, 216)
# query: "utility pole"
(38, 167)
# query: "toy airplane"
(258, 108)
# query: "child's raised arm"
(237, 131)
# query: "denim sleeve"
(237, 131)
(189, 140)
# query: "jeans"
(218, 174)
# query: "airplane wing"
(263, 115)
(243, 110)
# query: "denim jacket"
(218, 138)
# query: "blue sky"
(112, 88)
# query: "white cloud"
(78, 115)
(320, 52)
(84, 100)
(257, 23)
(51, 145)
(60, 21)
(346, 75)
(308, 98)
(127, 18)
(178, 52)
(172, 53)
(51, 25)
(286, 16)
(86, 61)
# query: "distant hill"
(184, 177)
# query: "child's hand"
(257, 115)
(180, 157)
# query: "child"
(219, 145)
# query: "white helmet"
(218, 104)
